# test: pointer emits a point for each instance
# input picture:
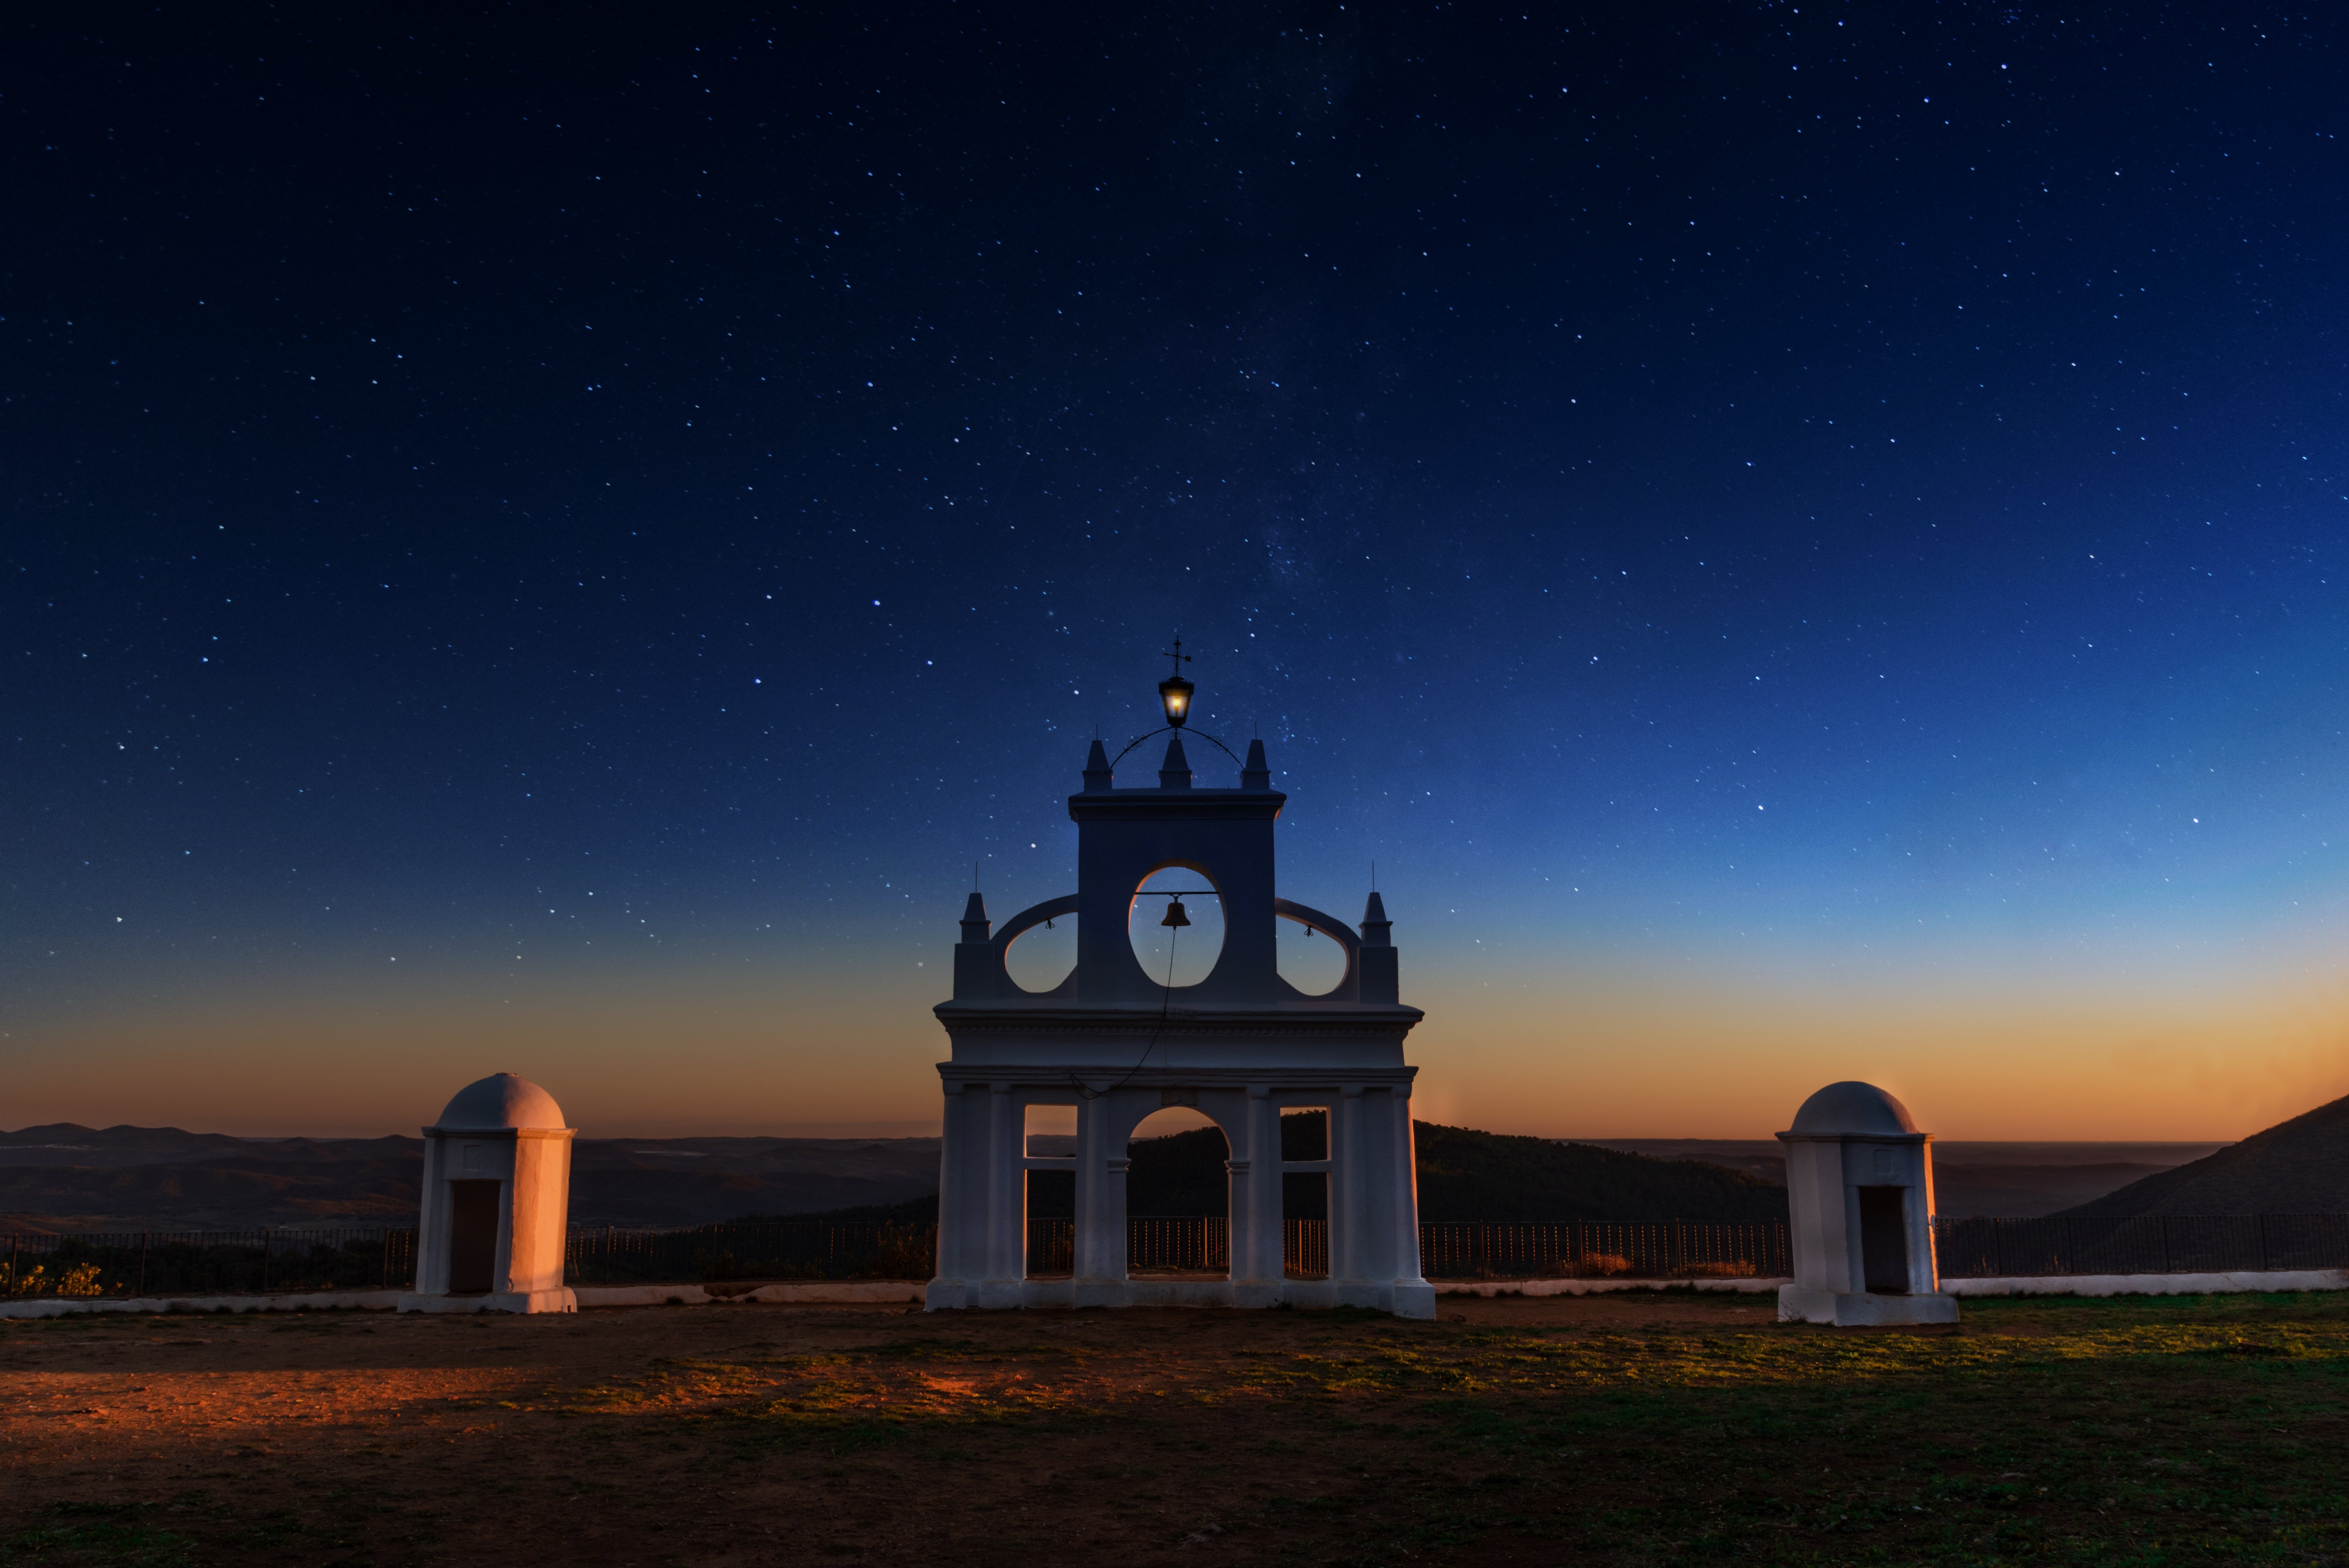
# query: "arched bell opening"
(1308, 959)
(1175, 923)
(1040, 958)
(1178, 1197)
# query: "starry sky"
(1805, 542)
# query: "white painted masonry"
(496, 1203)
(1859, 1197)
(1241, 1046)
(882, 1292)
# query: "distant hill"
(65, 1177)
(2011, 1178)
(1464, 1174)
(1469, 1175)
(2296, 1167)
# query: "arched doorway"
(1178, 1197)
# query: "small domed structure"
(498, 1102)
(1860, 1205)
(496, 1202)
(1856, 1110)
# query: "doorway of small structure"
(1304, 1195)
(1884, 1240)
(472, 1236)
(1050, 1133)
(1178, 1197)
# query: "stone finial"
(1098, 776)
(1378, 931)
(1175, 773)
(1254, 773)
(975, 923)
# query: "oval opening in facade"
(1193, 948)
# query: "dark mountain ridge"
(2296, 1167)
(1464, 1174)
(64, 1176)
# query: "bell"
(1174, 915)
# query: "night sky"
(1805, 542)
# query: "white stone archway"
(1240, 1045)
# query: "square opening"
(1305, 1134)
(1050, 1132)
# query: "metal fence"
(1453, 1250)
(748, 1250)
(265, 1261)
(292, 1261)
(1565, 1250)
(1177, 1245)
(2148, 1243)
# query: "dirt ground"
(749, 1433)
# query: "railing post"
(2163, 1221)
(143, 1264)
(2264, 1265)
(264, 1260)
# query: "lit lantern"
(1175, 693)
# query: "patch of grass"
(111, 1533)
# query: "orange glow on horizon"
(1622, 1056)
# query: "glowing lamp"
(1174, 696)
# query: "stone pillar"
(959, 1214)
(1099, 1255)
(1350, 1160)
(1414, 1296)
(1005, 1183)
(1255, 1202)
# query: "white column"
(433, 1229)
(1924, 1269)
(1005, 1190)
(1414, 1296)
(1255, 1205)
(956, 1207)
(1348, 1158)
(1098, 1260)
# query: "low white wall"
(2152, 1284)
(875, 1292)
(1596, 1286)
(836, 1292)
(66, 1305)
(811, 1291)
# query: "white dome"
(500, 1101)
(1853, 1107)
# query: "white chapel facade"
(1242, 1046)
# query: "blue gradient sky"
(1805, 544)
